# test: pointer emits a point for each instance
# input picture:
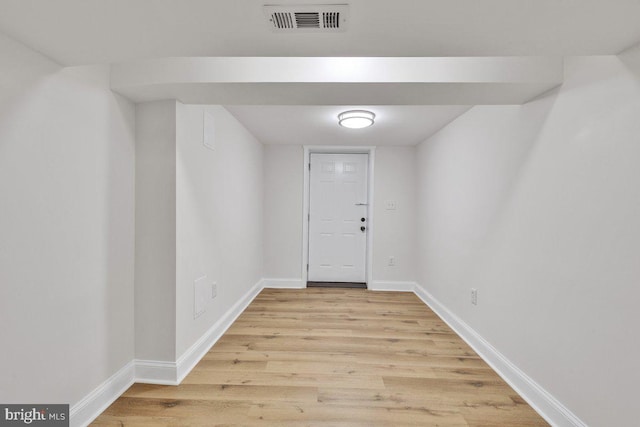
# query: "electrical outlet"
(214, 290)
(474, 296)
(392, 261)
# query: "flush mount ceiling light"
(356, 119)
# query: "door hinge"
(309, 165)
(308, 217)
(307, 267)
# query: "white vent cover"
(307, 18)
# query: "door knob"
(362, 219)
(363, 228)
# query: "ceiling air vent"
(307, 18)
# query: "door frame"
(337, 149)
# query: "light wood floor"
(331, 357)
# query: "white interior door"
(338, 217)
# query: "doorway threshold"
(351, 285)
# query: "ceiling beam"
(334, 81)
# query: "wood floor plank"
(336, 344)
(225, 392)
(372, 415)
(280, 356)
(398, 358)
(353, 368)
(401, 399)
(127, 411)
(288, 378)
(331, 357)
(241, 328)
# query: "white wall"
(66, 228)
(537, 207)
(283, 194)
(155, 283)
(394, 231)
(199, 213)
(219, 216)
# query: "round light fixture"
(356, 119)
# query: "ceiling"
(318, 125)
(75, 32)
(79, 32)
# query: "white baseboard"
(378, 285)
(554, 412)
(192, 356)
(88, 409)
(284, 283)
(156, 372)
(172, 373)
